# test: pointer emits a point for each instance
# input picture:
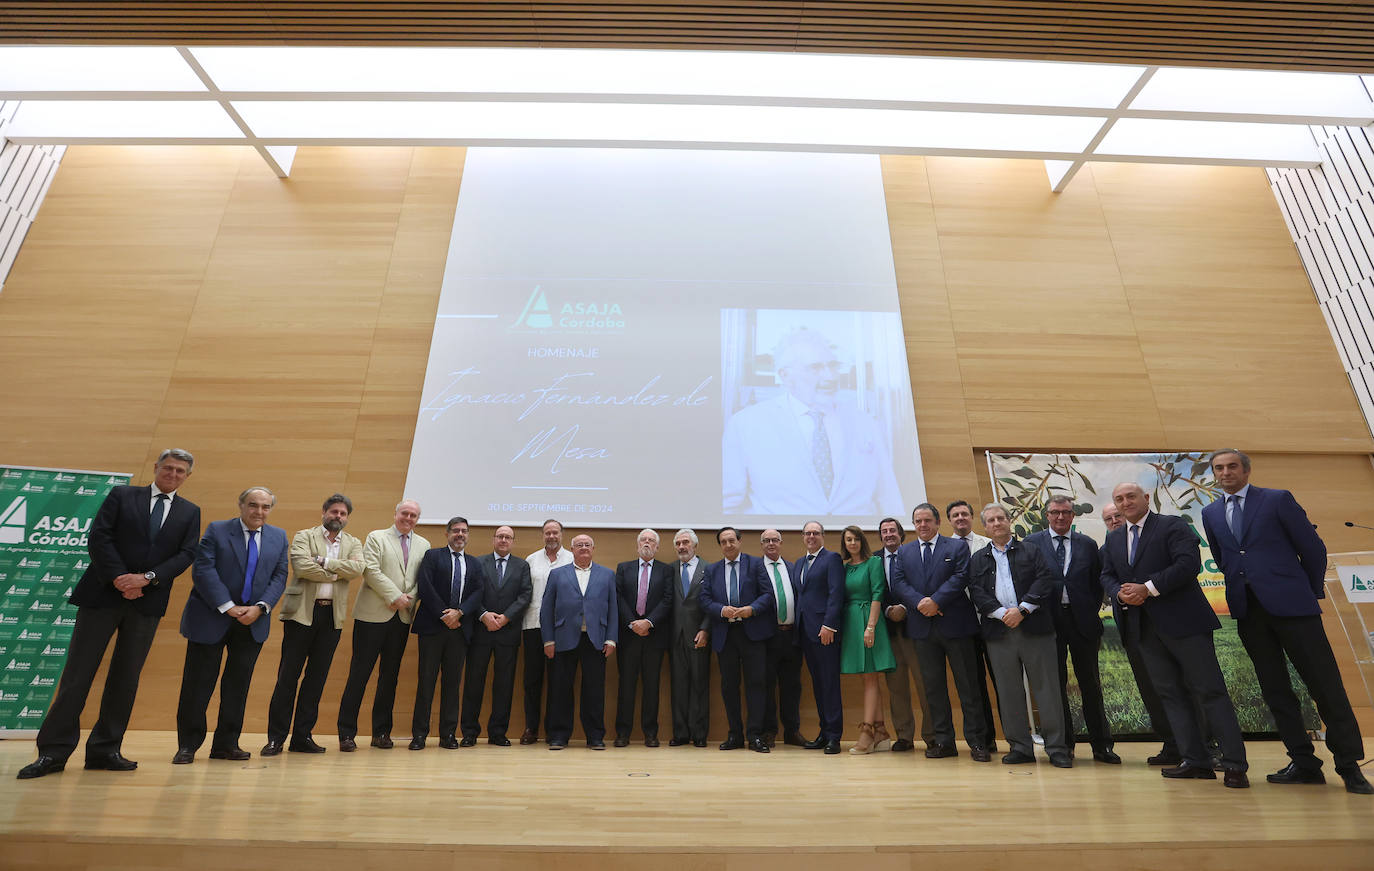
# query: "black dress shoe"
(1294, 774)
(233, 754)
(596, 744)
(184, 756)
(902, 745)
(733, 742)
(832, 747)
(382, 742)
(498, 740)
(41, 767)
(110, 762)
(678, 742)
(1165, 757)
(980, 754)
(817, 743)
(1235, 780)
(468, 741)
(417, 743)
(271, 748)
(795, 739)
(622, 740)
(1016, 757)
(1061, 760)
(529, 736)
(650, 740)
(941, 751)
(758, 745)
(1186, 770)
(557, 745)
(448, 742)
(1355, 782)
(700, 742)
(1107, 757)
(347, 745)
(305, 745)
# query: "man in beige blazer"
(381, 623)
(324, 559)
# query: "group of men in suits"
(954, 605)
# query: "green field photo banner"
(45, 518)
(1180, 484)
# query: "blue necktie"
(926, 548)
(455, 584)
(1135, 541)
(500, 572)
(1060, 554)
(1237, 518)
(155, 519)
(252, 565)
(686, 580)
(734, 585)
(810, 558)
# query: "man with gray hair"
(643, 603)
(810, 449)
(689, 657)
(140, 540)
(1013, 587)
(239, 573)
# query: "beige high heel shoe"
(865, 743)
(881, 739)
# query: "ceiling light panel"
(767, 76)
(71, 120)
(1210, 141)
(1266, 93)
(863, 129)
(30, 69)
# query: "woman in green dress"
(863, 648)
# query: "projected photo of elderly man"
(808, 449)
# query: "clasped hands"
(130, 585)
(1133, 594)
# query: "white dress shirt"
(540, 566)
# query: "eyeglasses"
(1065, 512)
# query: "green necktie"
(782, 600)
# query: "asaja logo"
(49, 650)
(535, 315)
(1360, 585)
(40, 681)
(588, 315)
(18, 665)
(16, 590)
(32, 488)
(86, 491)
(59, 620)
(67, 478)
(13, 520)
(40, 606)
(9, 619)
(29, 635)
(27, 713)
(26, 563)
(13, 473)
(50, 578)
(8, 697)
(80, 565)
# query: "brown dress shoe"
(184, 756)
(347, 745)
(382, 742)
(233, 754)
(1235, 780)
(529, 736)
(271, 748)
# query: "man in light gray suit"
(689, 657)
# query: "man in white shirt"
(543, 561)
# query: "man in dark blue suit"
(140, 540)
(1275, 568)
(930, 579)
(450, 586)
(239, 574)
(739, 602)
(818, 582)
(578, 622)
(1149, 572)
(1077, 627)
(644, 604)
(507, 590)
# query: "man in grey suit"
(506, 592)
(689, 657)
(239, 574)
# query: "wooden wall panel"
(280, 330)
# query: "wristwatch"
(1024, 612)
(265, 609)
(151, 578)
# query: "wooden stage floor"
(678, 808)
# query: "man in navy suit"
(818, 585)
(930, 580)
(239, 574)
(507, 590)
(1077, 627)
(644, 603)
(450, 587)
(577, 619)
(740, 604)
(1149, 571)
(1275, 568)
(140, 540)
